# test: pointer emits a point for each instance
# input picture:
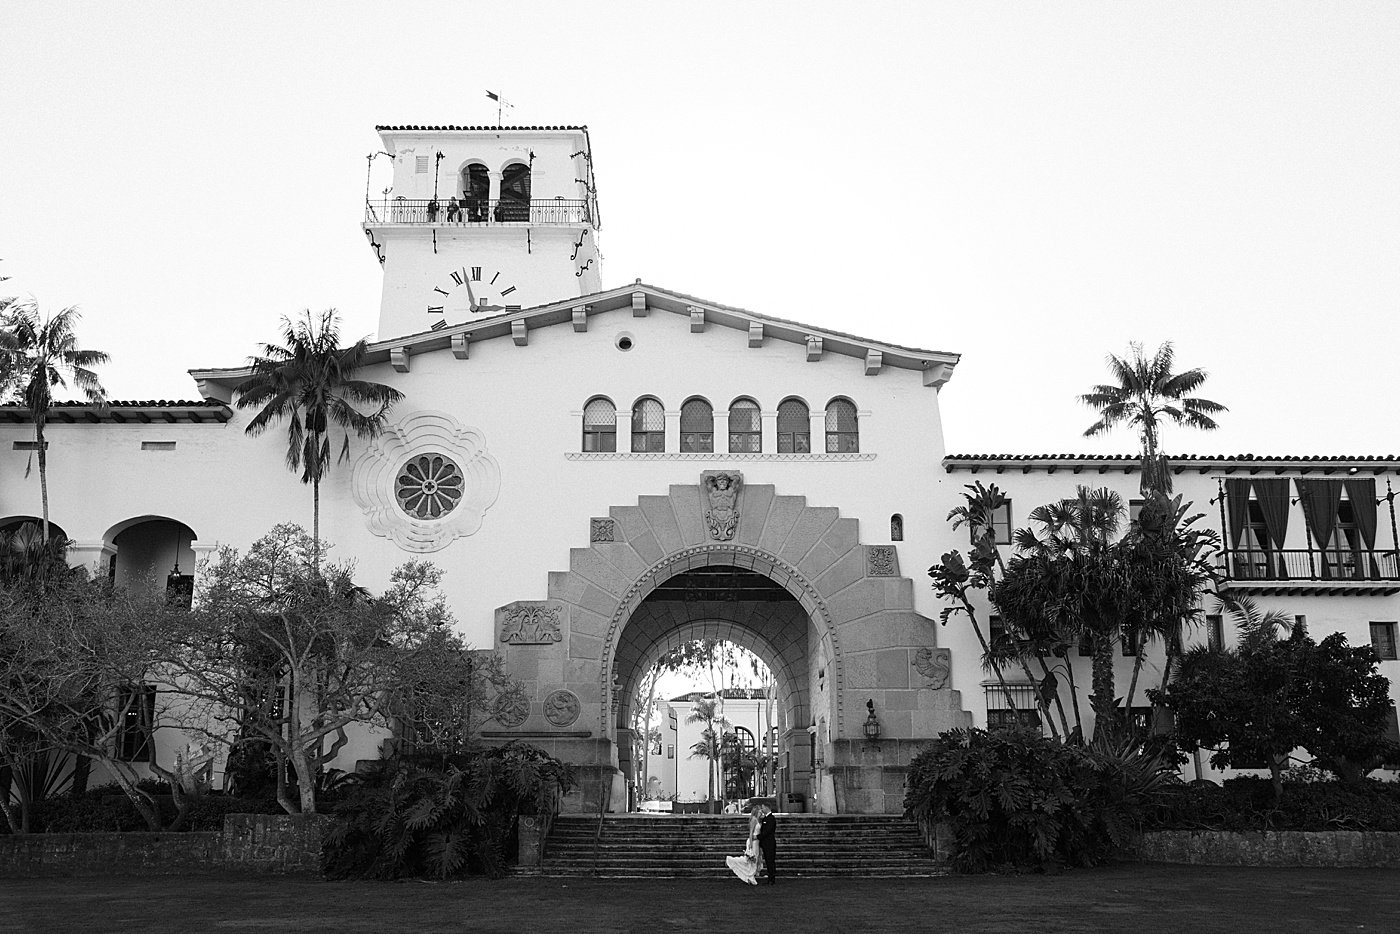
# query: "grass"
(1129, 897)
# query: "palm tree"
(308, 380)
(41, 355)
(706, 711)
(1147, 393)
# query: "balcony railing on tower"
(476, 212)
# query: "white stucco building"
(613, 470)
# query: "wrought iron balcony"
(1313, 570)
(476, 212)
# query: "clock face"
(468, 291)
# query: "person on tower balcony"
(454, 210)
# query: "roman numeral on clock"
(434, 309)
(476, 274)
(507, 290)
(439, 290)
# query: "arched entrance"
(861, 638)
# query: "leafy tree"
(1075, 583)
(41, 355)
(70, 651)
(281, 651)
(1270, 696)
(309, 380)
(1145, 393)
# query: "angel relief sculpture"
(721, 504)
(531, 624)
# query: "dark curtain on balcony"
(1321, 499)
(1237, 502)
(1273, 503)
(1362, 494)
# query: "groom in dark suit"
(768, 841)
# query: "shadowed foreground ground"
(1127, 898)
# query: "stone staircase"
(694, 846)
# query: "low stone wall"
(1333, 848)
(120, 854)
(274, 843)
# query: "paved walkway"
(1127, 898)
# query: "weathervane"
(501, 105)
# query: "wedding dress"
(745, 867)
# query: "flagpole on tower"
(501, 105)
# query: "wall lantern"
(872, 725)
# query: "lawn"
(1126, 898)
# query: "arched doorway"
(728, 604)
(862, 639)
(153, 553)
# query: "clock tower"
(482, 221)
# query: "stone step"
(694, 846)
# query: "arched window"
(794, 427)
(896, 528)
(697, 426)
(515, 193)
(600, 426)
(648, 426)
(745, 427)
(476, 191)
(842, 432)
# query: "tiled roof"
(123, 411)
(1129, 463)
(1193, 458)
(383, 129)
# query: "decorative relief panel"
(532, 622)
(934, 664)
(512, 709)
(720, 491)
(426, 481)
(880, 561)
(561, 708)
(602, 530)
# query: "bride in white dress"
(748, 866)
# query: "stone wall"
(1333, 848)
(119, 854)
(275, 843)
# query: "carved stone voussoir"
(936, 665)
(719, 493)
(532, 622)
(881, 561)
(602, 530)
(561, 708)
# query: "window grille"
(600, 426)
(842, 430)
(422, 165)
(648, 426)
(896, 528)
(136, 706)
(697, 426)
(1215, 631)
(1001, 715)
(794, 427)
(1383, 641)
(745, 427)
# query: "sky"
(1031, 185)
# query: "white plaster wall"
(1350, 615)
(692, 783)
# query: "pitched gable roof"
(937, 366)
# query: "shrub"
(440, 817)
(1248, 804)
(105, 809)
(1019, 800)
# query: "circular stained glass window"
(429, 487)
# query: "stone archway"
(859, 606)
